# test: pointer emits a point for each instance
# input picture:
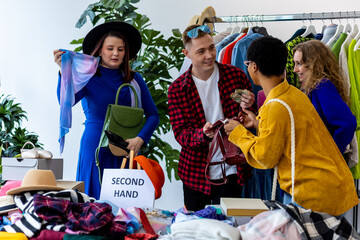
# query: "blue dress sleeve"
(151, 112)
(334, 112)
(78, 96)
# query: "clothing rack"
(288, 17)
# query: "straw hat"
(132, 35)
(209, 16)
(154, 171)
(194, 20)
(36, 180)
(7, 204)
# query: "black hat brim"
(132, 35)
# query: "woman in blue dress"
(115, 43)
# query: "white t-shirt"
(210, 98)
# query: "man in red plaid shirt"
(198, 98)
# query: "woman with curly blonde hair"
(322, 81)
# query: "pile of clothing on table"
(281, 222)
(35, 210)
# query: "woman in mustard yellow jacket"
(323, 181)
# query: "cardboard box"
(15, 169)
(75, 185)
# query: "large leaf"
(113, 3)
(88, 12)
(11, 113)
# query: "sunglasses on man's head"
(193, 33)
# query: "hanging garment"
(239, 56)
(354, 75)
(329, 32)
(260, 30)
(352, 155)
(227, 40)
(337, 46)
(296, 34)
(343, 61)
(319, 36)
(220, 36)
(220, 57)
(290, 75)
(229, 49)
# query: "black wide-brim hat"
(132, 35)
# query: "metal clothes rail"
(288, 17)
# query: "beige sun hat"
(36, 180)
(208, 16)
(194, 20)
(7, 204)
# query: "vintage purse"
(34, 152)
(232, 155)
(124, 121)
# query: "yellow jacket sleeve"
(264, 150)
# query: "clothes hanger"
(246, 28)
(242, 29)
(355, 34)
(303, 26)
(236, 29)
(262, 30)
(357, 45)
(309, 30)
(243, 26)
(324, 25)
(354, 31)
(230, 28)
(337, 34)
(347, 28)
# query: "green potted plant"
(12, 135)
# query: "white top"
(210, 99)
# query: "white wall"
(31, 30)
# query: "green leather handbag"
(124, 121)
